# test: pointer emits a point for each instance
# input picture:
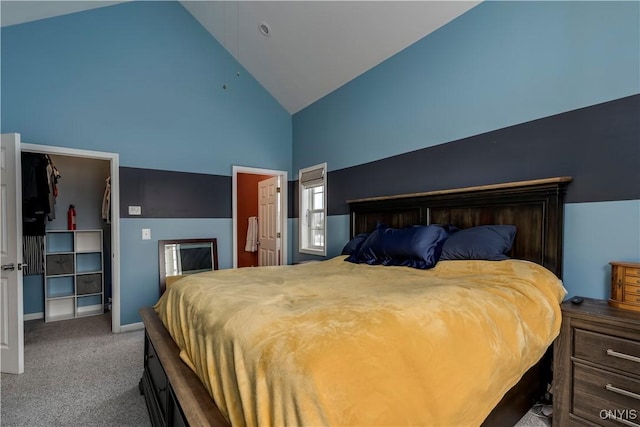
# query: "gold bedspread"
(335, 343)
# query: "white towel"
(252, 235)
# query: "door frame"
(284, 203)
(114, 161)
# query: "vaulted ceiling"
(312, 47)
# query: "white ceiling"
(17, 12)
(314, 47)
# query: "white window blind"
(312, 177)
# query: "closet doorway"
(269, 245)
(111, 256)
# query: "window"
(313, 209)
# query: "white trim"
(64, 151)
(132, 327)
(284, 207)
(33, 316)
(114, 160)
(115, 244)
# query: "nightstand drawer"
(632, 280)
(596, 366)
(607, 350)
(602, 396)
(632, 298)
(631, 271)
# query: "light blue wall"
(500, 64)
(33, 294)
(142, 79)
(595, 234)
(139, 258)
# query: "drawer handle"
(623, 356)
(622, 391)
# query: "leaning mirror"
(185, 256)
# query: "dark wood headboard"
(535, 207)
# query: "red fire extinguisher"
(71, 218)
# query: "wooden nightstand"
(625, 285)
(596, 366)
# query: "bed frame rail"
(194, 405)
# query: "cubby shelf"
(73, 277)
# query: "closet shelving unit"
(73, 277)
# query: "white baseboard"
(132, 327)
(124, 328)
(33, 316)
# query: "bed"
(258, 380)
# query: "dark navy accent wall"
(168, 194)
(598, 146)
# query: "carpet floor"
(531, 420)
(77, 373)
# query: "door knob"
(11, 267)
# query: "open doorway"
(246, 209)
(111, 255)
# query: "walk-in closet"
(66, 236)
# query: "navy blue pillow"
(485, 242)
(354, 244)
(417, 247)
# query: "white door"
(11, 316)
(269, 221)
